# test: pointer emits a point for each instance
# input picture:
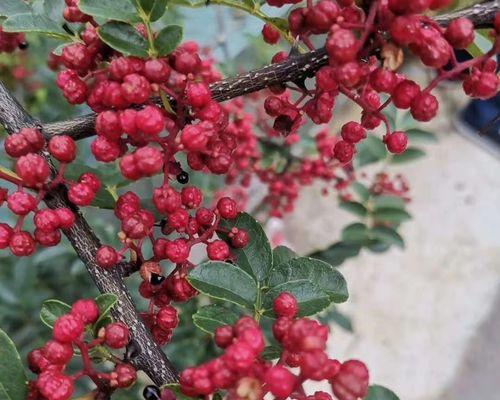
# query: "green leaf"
(311, 299)
(210, 317)
(30, 22)
(420, 136)
(51, 310)
(168, 39)
(360, 190)
(377, 392)
(123, 38)
(224, 281)
(121, 10)
(250, 3)
(105, 302)
(354, 207)
(282, 254)
(377, 246)
(355, 233)
(12, 7)
(317, 272)
(337, 253)
(271, 353)
(256, 257)
(387, 201)
(388, 235)
(339, 318)
(410, 154)
(391, 215)
(13, 379)
(153, 9)
(370, 150)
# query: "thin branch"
(291, 70)
(150, 358)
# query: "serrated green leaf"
(12, 375)
(318, 272)
(311, 299)
(122, 10)
(387, 201)
(282, 254)
(377, 392)
(168, 39)
(388, 235)
(416, 135)
(355, 233)
(337, 253)
(123, 38)
(354, 207)
(105, 302)
(225, 282)
(271, 353)
(209, 318)
(410, 154)
(391, 215)
(53, 309)
(256, 257)
(12, 7)
(30, 22)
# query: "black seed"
(23, 45)
(151, 393)
(183, 177)
(156, 279)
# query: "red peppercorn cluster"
(242, 371)
(50, 361)
(366, 80)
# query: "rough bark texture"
(150, 358)
(291, 70)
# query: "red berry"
(33, 170)
(218, 250)
(138, 225)
(105, 150)
(285, 305)
(460, 33)
(240, 356)
(21, 244)
(166, 199)
(198, 94)
(404, 93)
(16, 145)
(116, 335)
(343, 151)
(191, 197)
(46, 220)
(108, 124)
(280, 381)
(223, 336)
(136, 89)
(81, 194)
(90, 179)
(204, 216)
(194, 138)
(156, 70)
(270, 34)
(150, 120)
(424, 107)
(76, 56)
(5, 235)
(123, 376)
(63, 148)
(353, 132)
(177, 250)
(178, 220)
(351, 382)
(383, 80)
(342, 45)
(167, 318)
(66, 217)
(149, 160)
(47, 239)
(86, 309)
(239, 239)
(227, 208)
(396, 142)
(21, 203)
(107, 257)
(55, 386)
(58, 352)
(68, 328)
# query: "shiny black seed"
(23, 45)
(183, 177)
(151, 393)
(156, 279)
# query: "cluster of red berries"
(361, 78)
(9, 42)
(244, 373)
(49, 362)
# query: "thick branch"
(150, 358)
(291, 70)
